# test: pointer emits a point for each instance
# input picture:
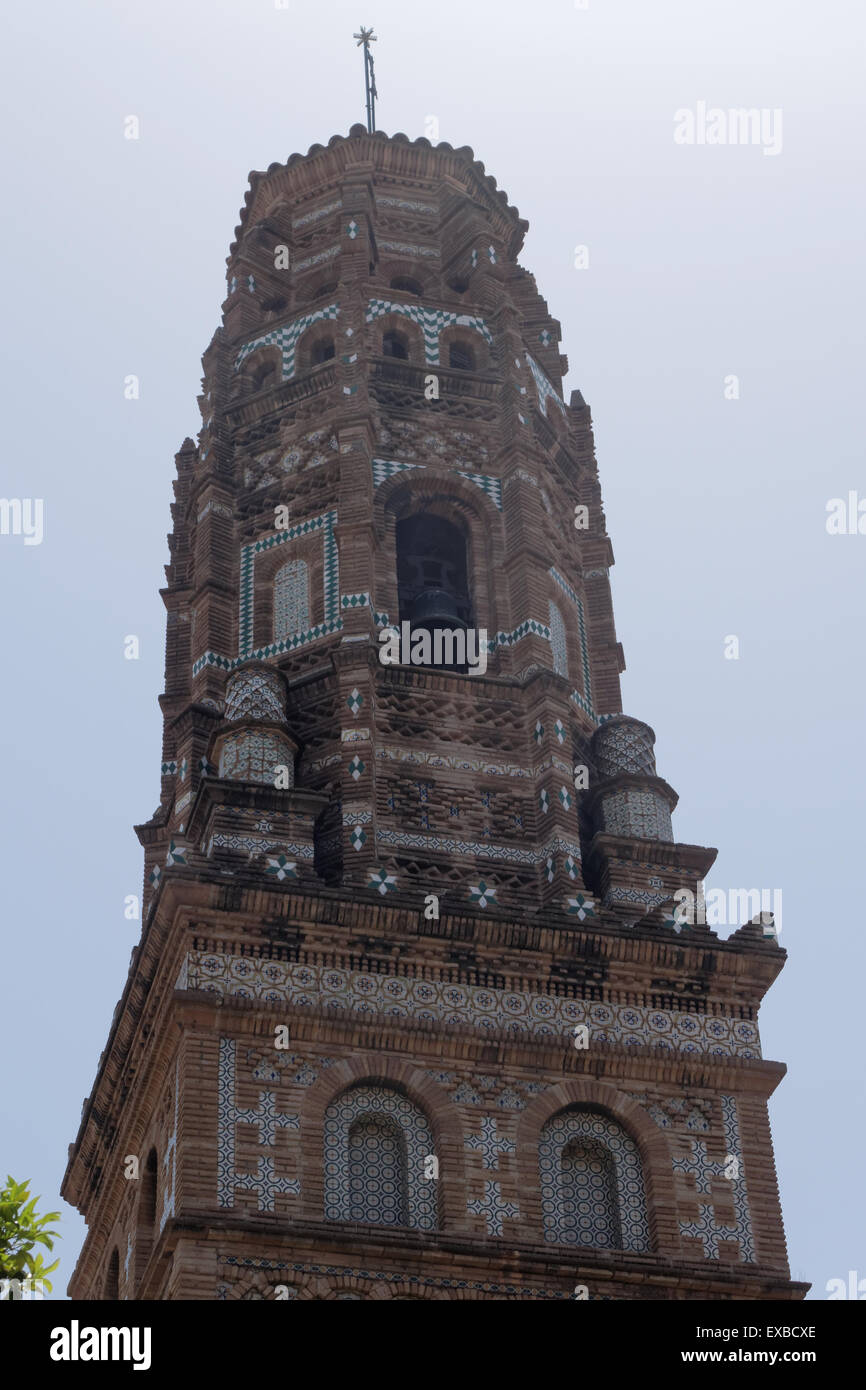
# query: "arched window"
(112, 1278)
(395, 344)
(323, 350)
(291, 600)
(558, 641)
(408, 285)
(461, 357)
(458, 285)
(145, 1225)
(264, 375)
(431, 559)
(376, 1141)
(592, 1187)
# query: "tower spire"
(365, 38)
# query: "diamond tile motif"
(385, 882)
(176, 855)
(550, 868)
(154, 876)
(357, 767)
(359, 838)
(559, 730)
(565, 798)
(538, 734)
(281, 869)
(544, 800)
(482, 895)
(581, 907)
(353, 230)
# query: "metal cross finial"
(365, 38)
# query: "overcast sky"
(706, 261)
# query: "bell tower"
(412, 1014)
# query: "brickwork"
(507, 1073)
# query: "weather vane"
(365, 38)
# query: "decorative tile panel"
(706, 1228)
(488, 1009)
(592, 1188)
(545, 390)
(430, 321)
(376, 1141)
(267, 1119)
(286, 336)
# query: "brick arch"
(396, 322)
(460, 501)
(474, 339)
(442, 1116)
(407, 269)
(315, 333)
(651, 1142)
(267, 353)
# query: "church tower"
(414, 1012)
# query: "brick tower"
(411, 1015)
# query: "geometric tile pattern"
(266, 1119)
(489, 1145)
(490, 1091)
(286, 339)
(643, 815)
(291, 600)
(254, 757)
(376, 1141)
(706, 1228)
(374, 1276)
(557, 641)
(169, 1161)
(383, 469)
(325, 524)
(544, 388)
(516, 1011)
(316, 214)
(430, 321)
(585, 703)
(592, 1188)
(404, 205)
(483, 849)
(255, 695)
(625, 746)
(493, 1209)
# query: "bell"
(435, 608)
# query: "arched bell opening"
(433, 587)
